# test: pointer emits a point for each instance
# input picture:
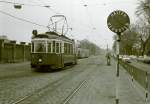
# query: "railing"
(141, 76)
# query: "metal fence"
(141, 76)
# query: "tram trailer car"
(52, 51)
(82, 53)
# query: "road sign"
(118, 21)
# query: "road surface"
(91, 81)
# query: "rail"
(66, 101)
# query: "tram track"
(50, 86)
(66, 101)
(38, 91)
(80, 85)
(25, 73)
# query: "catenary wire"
(16, 3)
(22, 19)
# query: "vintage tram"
(52, 51)
(83, 53)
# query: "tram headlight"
(40, 60)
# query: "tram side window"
(71, 49)
(57, 47)
(68, 48)
(60, 48)
(65, 48)
(49, 47)
(53, 46)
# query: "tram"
(52, 50)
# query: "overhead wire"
(26, 4)
(22, 19)
(88, 14)
(38, 5)
(49, 8)
(57, 13)
(16, 3)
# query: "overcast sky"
(88, 22)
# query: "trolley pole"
(117, 68)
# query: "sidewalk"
(100, 88)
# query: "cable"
(15, 3)
(49, 8)
(88, 14)
(22, 19)
(45, 6)
(91, 26)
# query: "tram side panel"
(69, 54)
(82, 53)
(44, 59)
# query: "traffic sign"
(118, 21)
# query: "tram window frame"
(53, 48)
(65, 48)
(49, 47)
(60, 47)
(71, 49)
(68, 48)
(32, 47)
(57, 47)
(42, 46)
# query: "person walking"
(108, 57)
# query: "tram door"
(59, 55)
(62, 53)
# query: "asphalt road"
(91, 81)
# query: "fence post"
(1, 48)
(14, 49)
(146, 85)
(23, 44)
(132, 74)
(29, 56)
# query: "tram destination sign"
(118, 21)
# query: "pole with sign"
(118, 21)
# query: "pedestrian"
(108, 57)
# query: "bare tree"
(93, 48)
(129, 41)
(143, 12)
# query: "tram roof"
(52, 35)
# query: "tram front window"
(40, 47)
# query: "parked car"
(126, 59)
